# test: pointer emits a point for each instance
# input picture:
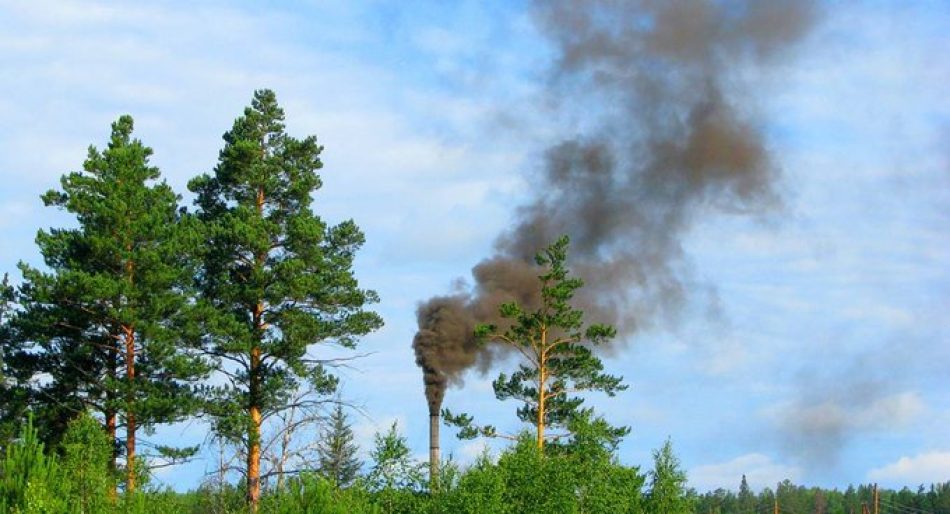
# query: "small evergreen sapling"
(337, 452)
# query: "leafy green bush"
(311, 493)
(480, 490)
(86, 452)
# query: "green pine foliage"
(15, 369)
(745, 502)
(7, 298)
(337, 451)
(275, 278)
(558, 360)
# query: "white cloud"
(469, 451)
(759, 469)
(897, 410)
(364, 433)
(923, 468)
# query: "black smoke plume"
(668, 136)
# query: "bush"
(86, 451)
(29, 479)
(311, 493)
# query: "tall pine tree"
(557, 359)
(336, 451)
(104, 319)
(276, 278)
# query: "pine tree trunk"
(254, 460)
(130, 388)
(254, 435)
(110, 415)
(542, 378)
(130, 411)
(111, 431)
(254, 409)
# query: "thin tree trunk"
(110, 415)
(285, 447)
(542, 368)
(254, 434)
(130, 387)
(130, 411)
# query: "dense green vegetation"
(579, 476)
(146, 313)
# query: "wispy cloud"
(816, 432)
(923, 468)
(760, 472)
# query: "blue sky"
(826, 362)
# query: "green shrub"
(86, 452)
(479, 490)
(29, 479)
(311, 493)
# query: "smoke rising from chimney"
(668, 135)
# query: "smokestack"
(434, 450)
(668, 136)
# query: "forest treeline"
(148, 312)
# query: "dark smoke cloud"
(818, 425)
(842, 395)
(668, 137)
